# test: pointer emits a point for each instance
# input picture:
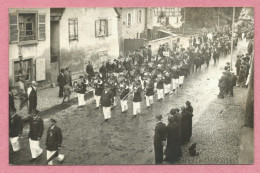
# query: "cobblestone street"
(126, 140)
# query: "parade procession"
(148, 105)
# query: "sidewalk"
(47, 99)
(220, 135)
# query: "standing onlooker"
(61, 81)
(186, 125)
(35, 134)
(90, 71)
(222, 85)
(53, 142)
(149, 53)
(67, 92)
(173, 148)
(238, 64)
(232, 83)
(107, 101)
(159, 139)
(32, 97)
(15, 129)
(11, 99)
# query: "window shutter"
(41, 27)
(109, 27)
(97, 28)
(13, 30)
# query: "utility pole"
(232, 35)
(218, 17)
(183, 22)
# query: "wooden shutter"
(109, 27)
(41, 27)
(97, 28)
(13, 28)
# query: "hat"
(34, 82)
(172, 111)
(81, 77)
(34, 112)
(159, 117)
(53, 120)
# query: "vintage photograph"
(131, 86)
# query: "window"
(26, 27)
(139, 16)
(103, 27)
(23, 70)
(129, 19)
(73, 29)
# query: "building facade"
(29, 45)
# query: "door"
(55, 50)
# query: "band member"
(175, 79)
(159, 139)
(98, 85)
(32, 95)
(137, 98)
(113, 88)
(107, 101)
(81, 89)
(181, 76)
(53, 143)
(167, 83)
(35, 134)
(15, 129)
(149, 92)
(159, 87)
(124, 91)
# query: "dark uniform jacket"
(36, 127)
(167, 80)
(137, 95)
(54, 138)
(90, 70)
(107, 99)
(98, 89)
(160, 84)
(150, 89)
(15, 125)
(124, 93)
(61, 80)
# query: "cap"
(81, 77)
(53, 120)
(159, 117)
(172, 111)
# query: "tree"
(200, 17)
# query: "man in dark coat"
(149, 53)
(61, 81)
(186, 125)
(232, 83)
(35, 133)
(173, 148)
(222, 85)
(159, 139)
(15, 129)
(238, 64)
(103, 71)
(32, 97)
(11, 100)
(53, 142)
(90, 71)
(107, 101)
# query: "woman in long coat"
(173, 148)
(186, 125)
